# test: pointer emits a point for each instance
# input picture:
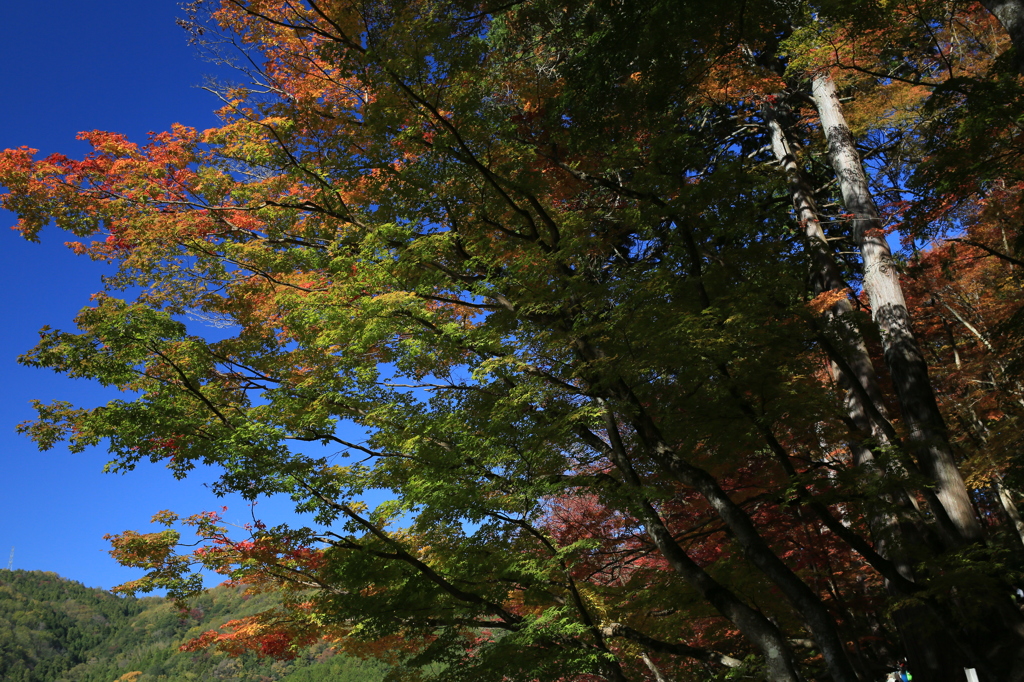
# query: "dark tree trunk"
(756, 628)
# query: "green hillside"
(58, 630)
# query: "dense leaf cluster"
(601, 296)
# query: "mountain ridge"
(53, 629)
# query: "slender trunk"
(819, 621)
(1006, 500)
(655, 670)
(995, 646)
(925, 425)
(757, 629)
(927, 651)
(826, 276)
(810, 607)
(1010, 14)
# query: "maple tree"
(649, 405)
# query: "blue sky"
(66, 67)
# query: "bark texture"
(909, 371)
(930, 651)
(1010, 14)
(1010, 507)
(758, 630)
(826, 276)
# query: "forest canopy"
(684, 338)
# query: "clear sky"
(66, 67)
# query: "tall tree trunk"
(1006, 500)
(817, 618)
(925, 425)
(1010, 14)
(819, 621)
(826, 276)
(929, 652)
(995, 641)
(756, 628)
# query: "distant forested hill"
(58, 630)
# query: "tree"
(544, 264)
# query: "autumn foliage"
(587, 292)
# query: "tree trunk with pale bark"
(928, 438)
(928, 652)
(1010, 14)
